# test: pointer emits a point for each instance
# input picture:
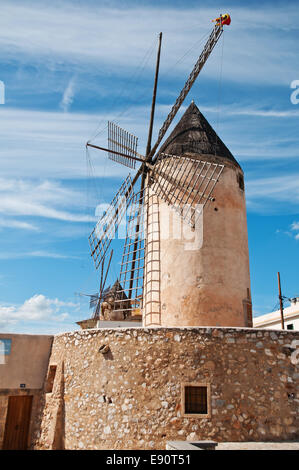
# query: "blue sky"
(68, 67)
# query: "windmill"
(161, 176)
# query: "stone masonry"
(131, 397)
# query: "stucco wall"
(204, 278)
(27, 362)
(131, 397)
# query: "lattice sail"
(119, 140)
(185, 183)
(209, 46)
(130, 293)
(100, 238)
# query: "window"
(290, 326)
(5, 350)
(240, 179)
(196, 400)
(6, 343)
(50, 379)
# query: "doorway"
(17, 422)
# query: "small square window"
(195, 400)
(290, 326)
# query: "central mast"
(144, 168)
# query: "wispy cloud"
(40, 144)
(295, 228)
(51, 144)
(274, 195)
(48, 254)
(63, 34)
(45, 199)
(233, 110)
(37, 254)
(68, 95)
(16, 224)
(276, 187)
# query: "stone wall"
(131, 397)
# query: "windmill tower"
(194, 176)
(203, 277)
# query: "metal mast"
(209, 46)
(144, 169)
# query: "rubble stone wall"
(131, 396)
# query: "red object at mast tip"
(223, 19)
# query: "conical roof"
(116, 289)
(193, 134)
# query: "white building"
(273, 320)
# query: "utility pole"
(280, 301)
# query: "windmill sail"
(100, 238)
(132, 265)
(94, 298)
(180, 183)
(119, 140)
(186, 184)
(209, 46)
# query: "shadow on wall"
(59, 431)
(106, 351)
(53, 399)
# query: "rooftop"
(193, 134)
(290, 312)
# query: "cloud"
(36, 254)
(10, 223)
(37, 144)
(41, 144)
(36, 309)
(233, 110)
(58, 35)
(47, 254)
(68, 95)
(275, 194)
(295, 228)
(277, 188)
(45, 199)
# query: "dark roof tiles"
(193, 134)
